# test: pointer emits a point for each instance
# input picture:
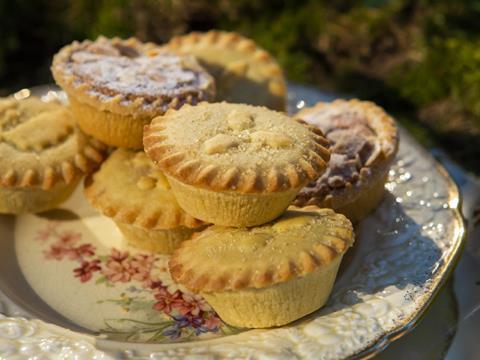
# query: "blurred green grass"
(419, 59)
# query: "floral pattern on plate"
(182, 315)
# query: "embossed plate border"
(391, 336)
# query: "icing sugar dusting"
(140, 75)
(354, 146)
(114, 69)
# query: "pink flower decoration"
(86, 270)
(166, 302)
(69, 238)
(59, 250)
(185, 309)
(192, 305)
(148, 283)
(118, 267)
(78, 253)
(156, 284)
(212, 322)
(142, 266)
(56, 252)
(119, 256)
(44, 235)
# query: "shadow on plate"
(399, 255)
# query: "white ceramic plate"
(69, 268)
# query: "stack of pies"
(254, 207)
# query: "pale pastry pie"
(137, 196)
(364, 143)
(116, 86)
(244, 72)
(269, 275)
(235, 164)
(42, 155)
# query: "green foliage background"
(418, 58)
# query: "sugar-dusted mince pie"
(42, 155)
(268, 275)
(137, 196)
(235, 164)
(116, 86)
(244, 72)
(364, 143)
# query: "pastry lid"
(236, 147)
(299, 242)
(41, 146)
(131, 190)
(130, 77)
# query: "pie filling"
(117, 69)
(354, 145)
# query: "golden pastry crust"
(40, 145)
(365, 203)
(236, 147)
(371, 171)
(108, 127)
(294, 245)
(130, 78)
(278, 304)
(130, 190)
(244, 72)
(16, 200)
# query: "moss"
(407, 54)
(450, 68)
(287, 29)
(422, 81)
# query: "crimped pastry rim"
(115, 104)
(276, 83)
(97, 195)
(388, 136)
(300, 264)
(66, 172)
(173, 163)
